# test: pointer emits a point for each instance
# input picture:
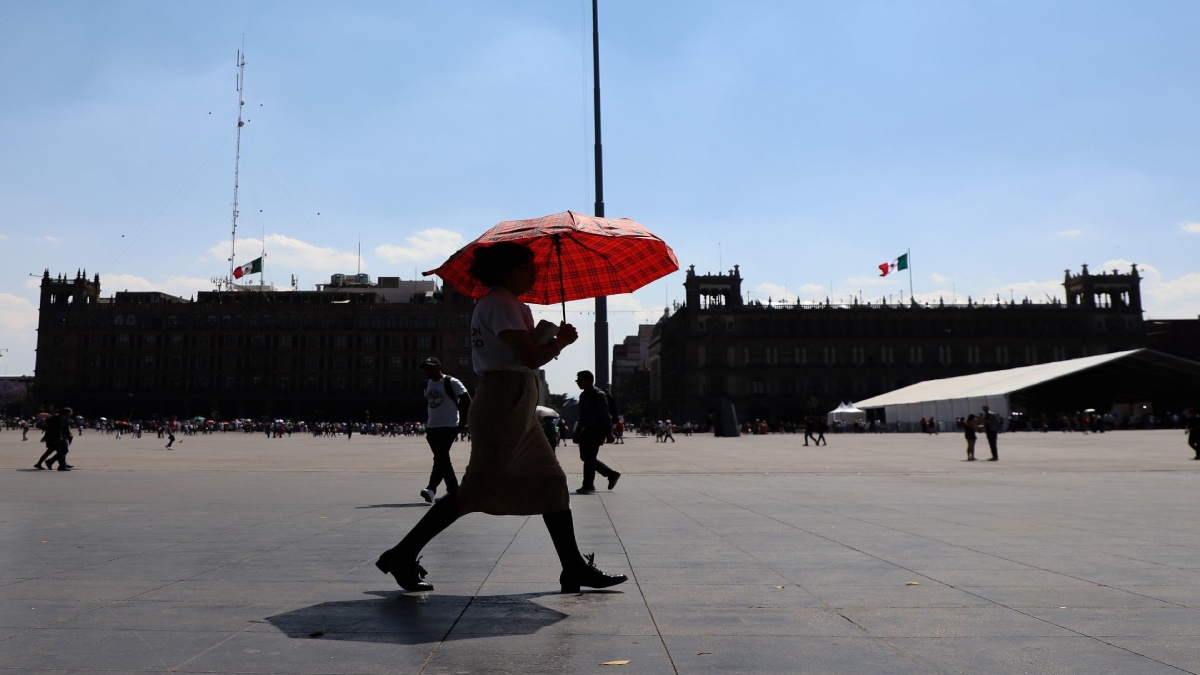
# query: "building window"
(367, 363)
(339, 383)
(395, 363)
(424, 342)
(756, 387)
(340, 342)
(285, 341)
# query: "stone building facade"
(347, 351)
(783, 362)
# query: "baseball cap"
(430, 361)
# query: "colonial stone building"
(782, 362)
(347, 351)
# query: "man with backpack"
(592, 430)
(446, 401)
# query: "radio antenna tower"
(237, 156)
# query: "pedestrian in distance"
(970, 426)
(1193, 432)
(991, 429)
(57, 437)
(666, 433)
(512, 470)
(593, 429)
(446, 405)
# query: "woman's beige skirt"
(513, 470)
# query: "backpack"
(463, 403)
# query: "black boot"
(577, 571)
(402, 562)
(589, 575)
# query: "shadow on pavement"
(400, 618)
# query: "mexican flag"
(252, 267)
(896, 265)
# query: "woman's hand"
(536, 356)
(566, 334)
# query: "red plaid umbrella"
(579, 256)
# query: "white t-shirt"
(496, 312)
(442, 411)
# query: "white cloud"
(17, 314)
(3, 237)
(1190, 228)
(1070, 234)
(938, 278)
(433, 245)
(184, 287)
(1035, 291)
(50, 239)
(18, 334)
(1162, 298)
(286, 253)
(775, 293)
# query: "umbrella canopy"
(543, 411)
(580, 257)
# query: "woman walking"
(512, 469)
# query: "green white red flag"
(252, 267)
(896, 265)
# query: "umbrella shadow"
(401, 618)
(409, 505)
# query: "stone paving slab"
(885, 553)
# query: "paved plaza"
(884, 553)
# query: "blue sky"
(806, 142)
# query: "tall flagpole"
(601, 302)
(908, 256)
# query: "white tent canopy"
(845, 412)
(953, 397)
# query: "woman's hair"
(493, 263)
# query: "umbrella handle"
(562, 285)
